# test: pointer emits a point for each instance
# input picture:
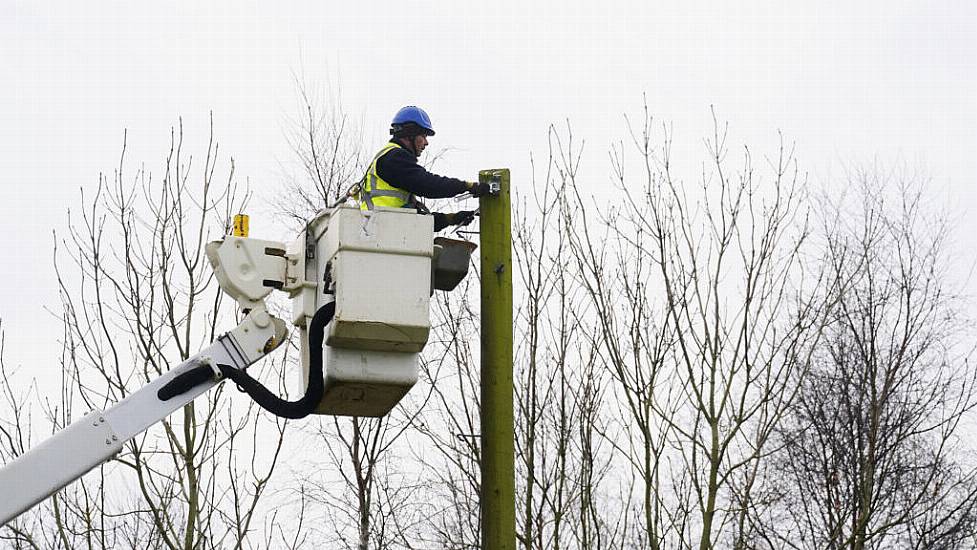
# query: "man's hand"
(460, 219)
(478, 189)
(464, 217)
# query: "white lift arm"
(100, 435)
(373, 332)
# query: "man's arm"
(400, 169)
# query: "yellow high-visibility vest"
(374, 191)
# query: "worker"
(394, 179)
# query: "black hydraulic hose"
(301, 408)
(313, 392)
(184, 382)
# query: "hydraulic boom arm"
(90, 441)
(369, 344)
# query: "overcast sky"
(847, 81)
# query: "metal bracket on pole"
(495, 185)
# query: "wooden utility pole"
(498, 502)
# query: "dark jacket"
(399, 168)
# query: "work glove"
(462, 218)
(477, 189)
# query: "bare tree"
(872, 446)
(449, 423)
(704, 324)
(559, 389)
(612, 449)
(328, 149)
(138, 297)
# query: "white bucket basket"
(379, 265)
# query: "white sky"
(882, 79)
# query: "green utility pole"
(498, 510)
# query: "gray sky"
(847, 83)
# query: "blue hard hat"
(411, 116)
